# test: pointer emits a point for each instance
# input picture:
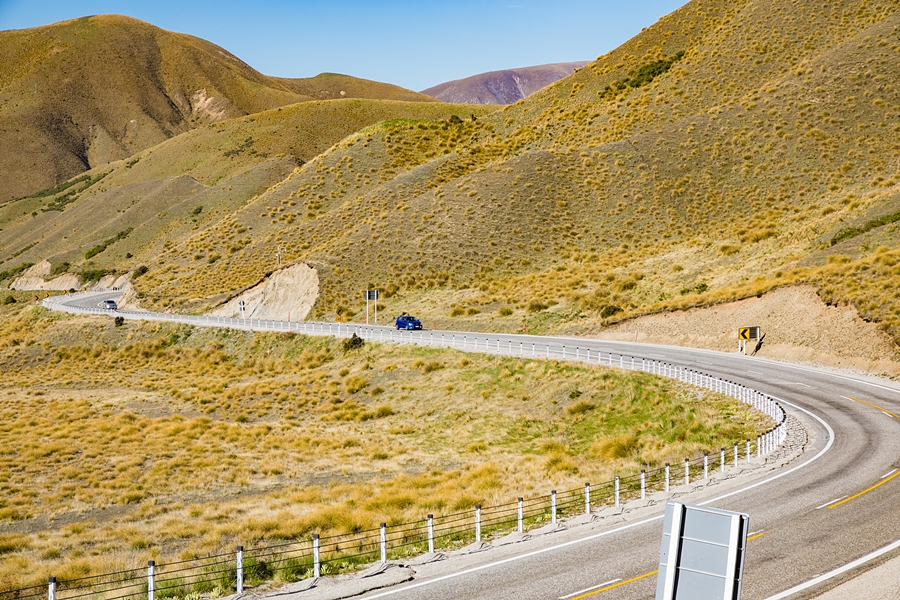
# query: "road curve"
(836, 504)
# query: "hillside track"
(835, 504)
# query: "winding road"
(835, 504)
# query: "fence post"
(748, 451)
(735, 455)
(687, 472)
(151, 579)
(667, 478)
(240, 570)
(383, 543)
(477, 522)
(587, 498)
(643, 484)
(553, 506)
(706, 465)
(520, 529)
(51, 588)
(617, 491)
(317, 557)
(431, 533)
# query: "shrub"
(505, 311)
(119, 321)
(9, 300)
(609, 310)
(353, 342)
(581, 407)
(141, 270)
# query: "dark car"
(408, 322)
(109, 305)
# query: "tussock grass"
(155, 440)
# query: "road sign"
(371, 294)
(242, 305)
(749, 333)
(702, 553)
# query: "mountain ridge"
(505, 86)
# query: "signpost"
(242, 305)
(372, 295)
(701, 554)
(746, 334)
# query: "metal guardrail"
(313, 556)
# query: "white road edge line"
(836, 572)
(624, 527)
(831, 502)
(754, 372)
(611, 581)
(889, 473)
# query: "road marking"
(615, 585)
(794, 383)
(865, 491)
(755, 372)
(754, 536)
(836, 572)
(656, 355)
(884, 410)
(889, 473)
(589, 589)
(831, 502)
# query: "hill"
(502, 87)
(729, 149)
(83, 93)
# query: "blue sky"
(415, 44)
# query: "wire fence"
(315, 555)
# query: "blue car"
(408, 322)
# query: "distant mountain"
(82, 93)
(502, 87)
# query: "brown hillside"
(79, 94)
(502, 87)
(729, 149)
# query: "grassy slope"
(178, 442)
(727, 175)
(220, 167)
(81, 93)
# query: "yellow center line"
(615, 585)
(884, 410)
(865, 491)
(639, 577)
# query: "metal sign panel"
(749, 333)
(371, 294)
(702, 553)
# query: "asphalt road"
(835, 504)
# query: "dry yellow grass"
(149, 440)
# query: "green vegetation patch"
(643, 75)
(107, 243)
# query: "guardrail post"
(51, 588)
(317, 557)
(151, 579)
(687, 472)
(587, 498)
(383, 543)
(748, 451)
(477, 522)
(643, 484)
(722, 460)
(617, 491)
(667, 478)
(431, 533)
(553, 506)
(735, 455)
(519, 527)
(239, 586)
(706, 465)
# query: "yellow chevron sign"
(748, 333)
